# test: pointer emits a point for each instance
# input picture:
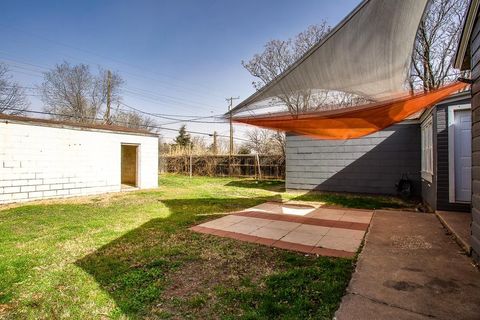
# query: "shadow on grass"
(132, 269)
(334, 199)
(358, 201)
(270, 185)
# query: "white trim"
(451, 149)
(426, 135)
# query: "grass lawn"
(131, 255)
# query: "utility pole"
(215, 146)
(109, 98)
(230, 105)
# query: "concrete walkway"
(410, 268)
(458, 223)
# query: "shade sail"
(367, 54)
(353, 122)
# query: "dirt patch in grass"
(222, 262)
(231, 280)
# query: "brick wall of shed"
(372, 164)
(38, 162)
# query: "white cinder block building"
(49, 159)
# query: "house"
(468, 58)
(431, 149)
(42, 158)
(446, 154)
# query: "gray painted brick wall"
(372, 164)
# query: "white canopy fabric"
(367, 54)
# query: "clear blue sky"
(177, 57)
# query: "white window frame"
(427, 149)
(451, 149)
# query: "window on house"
(427, 149)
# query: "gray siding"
(372, 164)
(442, 168)
(475, 65)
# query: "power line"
(129, 90)
(195, 119)
(122, 123)
(103, 57)
(168, 116)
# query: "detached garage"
(42, 158)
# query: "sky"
(180, 58)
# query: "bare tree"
(280, 139)
(264, 141)
(435, 43)
(132, 119)
(73, 92)
(278, 55)
(12, 96)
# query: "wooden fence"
(240, 165)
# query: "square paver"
(254, 222)
(339, 243)
(327, 214)
(270, 233)
(359, 216)
(283, 208)
(247, 225)
(223, 222)
(240, 228)
(284, 225)
(306, 228)
(309, 239)
(346, 233)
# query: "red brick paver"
(304, 220)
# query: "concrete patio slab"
(410, 268)
(294, 227)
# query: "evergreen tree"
(183, 139)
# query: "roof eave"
(462, 60)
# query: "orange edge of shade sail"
(354, 122)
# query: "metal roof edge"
(73, 125)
